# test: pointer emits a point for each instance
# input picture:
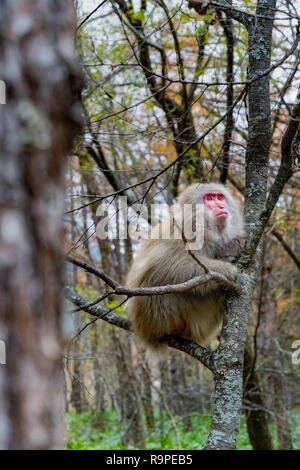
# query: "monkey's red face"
(217, 203)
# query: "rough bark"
(228, 370)
(37, 125)
(259, 131)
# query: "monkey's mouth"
(222, 215)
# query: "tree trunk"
(179, 392)
(98, 382)
(272, 354)
(255, 409)
(147, 394)
(128, 397)
(37, 125)
(77, 389)
(228, 358)
(282, 422)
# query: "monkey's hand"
(231, 272)
(221, 267)
(227, 270)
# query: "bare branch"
(193, 349)
(202, 5)
(155, 290)
(274, 232)
(286, 247)
(284, 173)
(177, 160)
(90, 14)
(97, 272)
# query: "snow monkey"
(197, 313)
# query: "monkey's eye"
(220, 197)
(209, 198)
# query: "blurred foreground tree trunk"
(40, 69)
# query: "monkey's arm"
(214, 266)
(163, 264)
(175, 271)
(231, 251)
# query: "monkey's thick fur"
(196, 314)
